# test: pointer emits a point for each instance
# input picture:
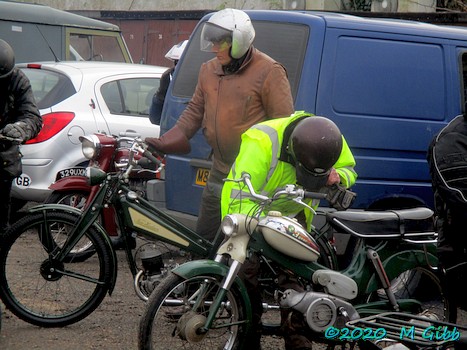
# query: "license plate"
(202, 176)
(76, 171)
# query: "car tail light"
(53, 123)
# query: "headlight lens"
(229, 225)
(90, 146)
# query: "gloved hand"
(17, 130)
(173, 141)
(339, 197)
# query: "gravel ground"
(114, 325)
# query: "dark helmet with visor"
(315, 145)
(7, 59)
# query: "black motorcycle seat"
(387, 223)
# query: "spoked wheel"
(157, 260)
(42, 290)
(172, 321)
(423, 285)
(75, 199)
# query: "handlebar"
(291, 191)
(138, 146)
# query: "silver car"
(76, 99)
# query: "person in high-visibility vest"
(301, 149)
(285, 151)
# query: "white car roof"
(79, 70)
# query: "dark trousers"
(452, 253)
(293, 324)
(5, 190)
(209, 217)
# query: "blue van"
(390, 85)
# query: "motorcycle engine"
(319, 310)
(139, 186)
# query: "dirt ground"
(114, 325)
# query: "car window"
(130, 96)
(49, 88)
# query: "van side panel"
(389, 95)
(29, 40)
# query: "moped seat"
(384, 224)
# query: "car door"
(124, 102)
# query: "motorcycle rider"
(240, 87)
(448, 170)
(155, 110)
(301, 149)
(19, 120)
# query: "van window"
(285, 42)
(90, 46)
(369, 72)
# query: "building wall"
(163, 5)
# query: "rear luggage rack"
(419, 330)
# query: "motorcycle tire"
(76, 199)
(170, 322)
(41, 290)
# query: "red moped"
(72, 188)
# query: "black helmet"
(315, 144)
(7, 59)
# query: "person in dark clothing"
(155, 110)
(19, 121)
(447, 157)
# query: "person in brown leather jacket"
(238, 88)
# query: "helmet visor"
(310, 180)
(215, 38)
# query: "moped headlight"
(229, 225)
(95, 175)
(90, 146)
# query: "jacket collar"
(219, 70)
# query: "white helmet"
(231, 26)
(176, 51)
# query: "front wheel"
(172, 321)
(42, 290)
(75, 199)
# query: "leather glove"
(339, 197)
(17, 130)
(173, 141)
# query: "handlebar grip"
(151, 157)
(314, 195)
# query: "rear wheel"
(42, 290)
(423, 285)
(171, 320)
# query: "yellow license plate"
(202, 176)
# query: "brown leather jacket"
(225, 106)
